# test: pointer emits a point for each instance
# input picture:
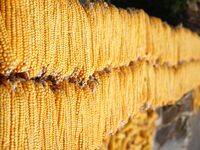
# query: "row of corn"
(35, 116)
(60, 35)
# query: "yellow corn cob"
(50, 120)
(7, 57)
(61, 109)
(36, 31)
(49, 49)
(5, 113)
(18, 118)
(33, 116)
(196, 95)
(63, 41)
(39, 90)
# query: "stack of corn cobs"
(71, 74)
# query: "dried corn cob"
(7, 57)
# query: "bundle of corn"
(150, 124)
(48, 48)
(129, 138)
